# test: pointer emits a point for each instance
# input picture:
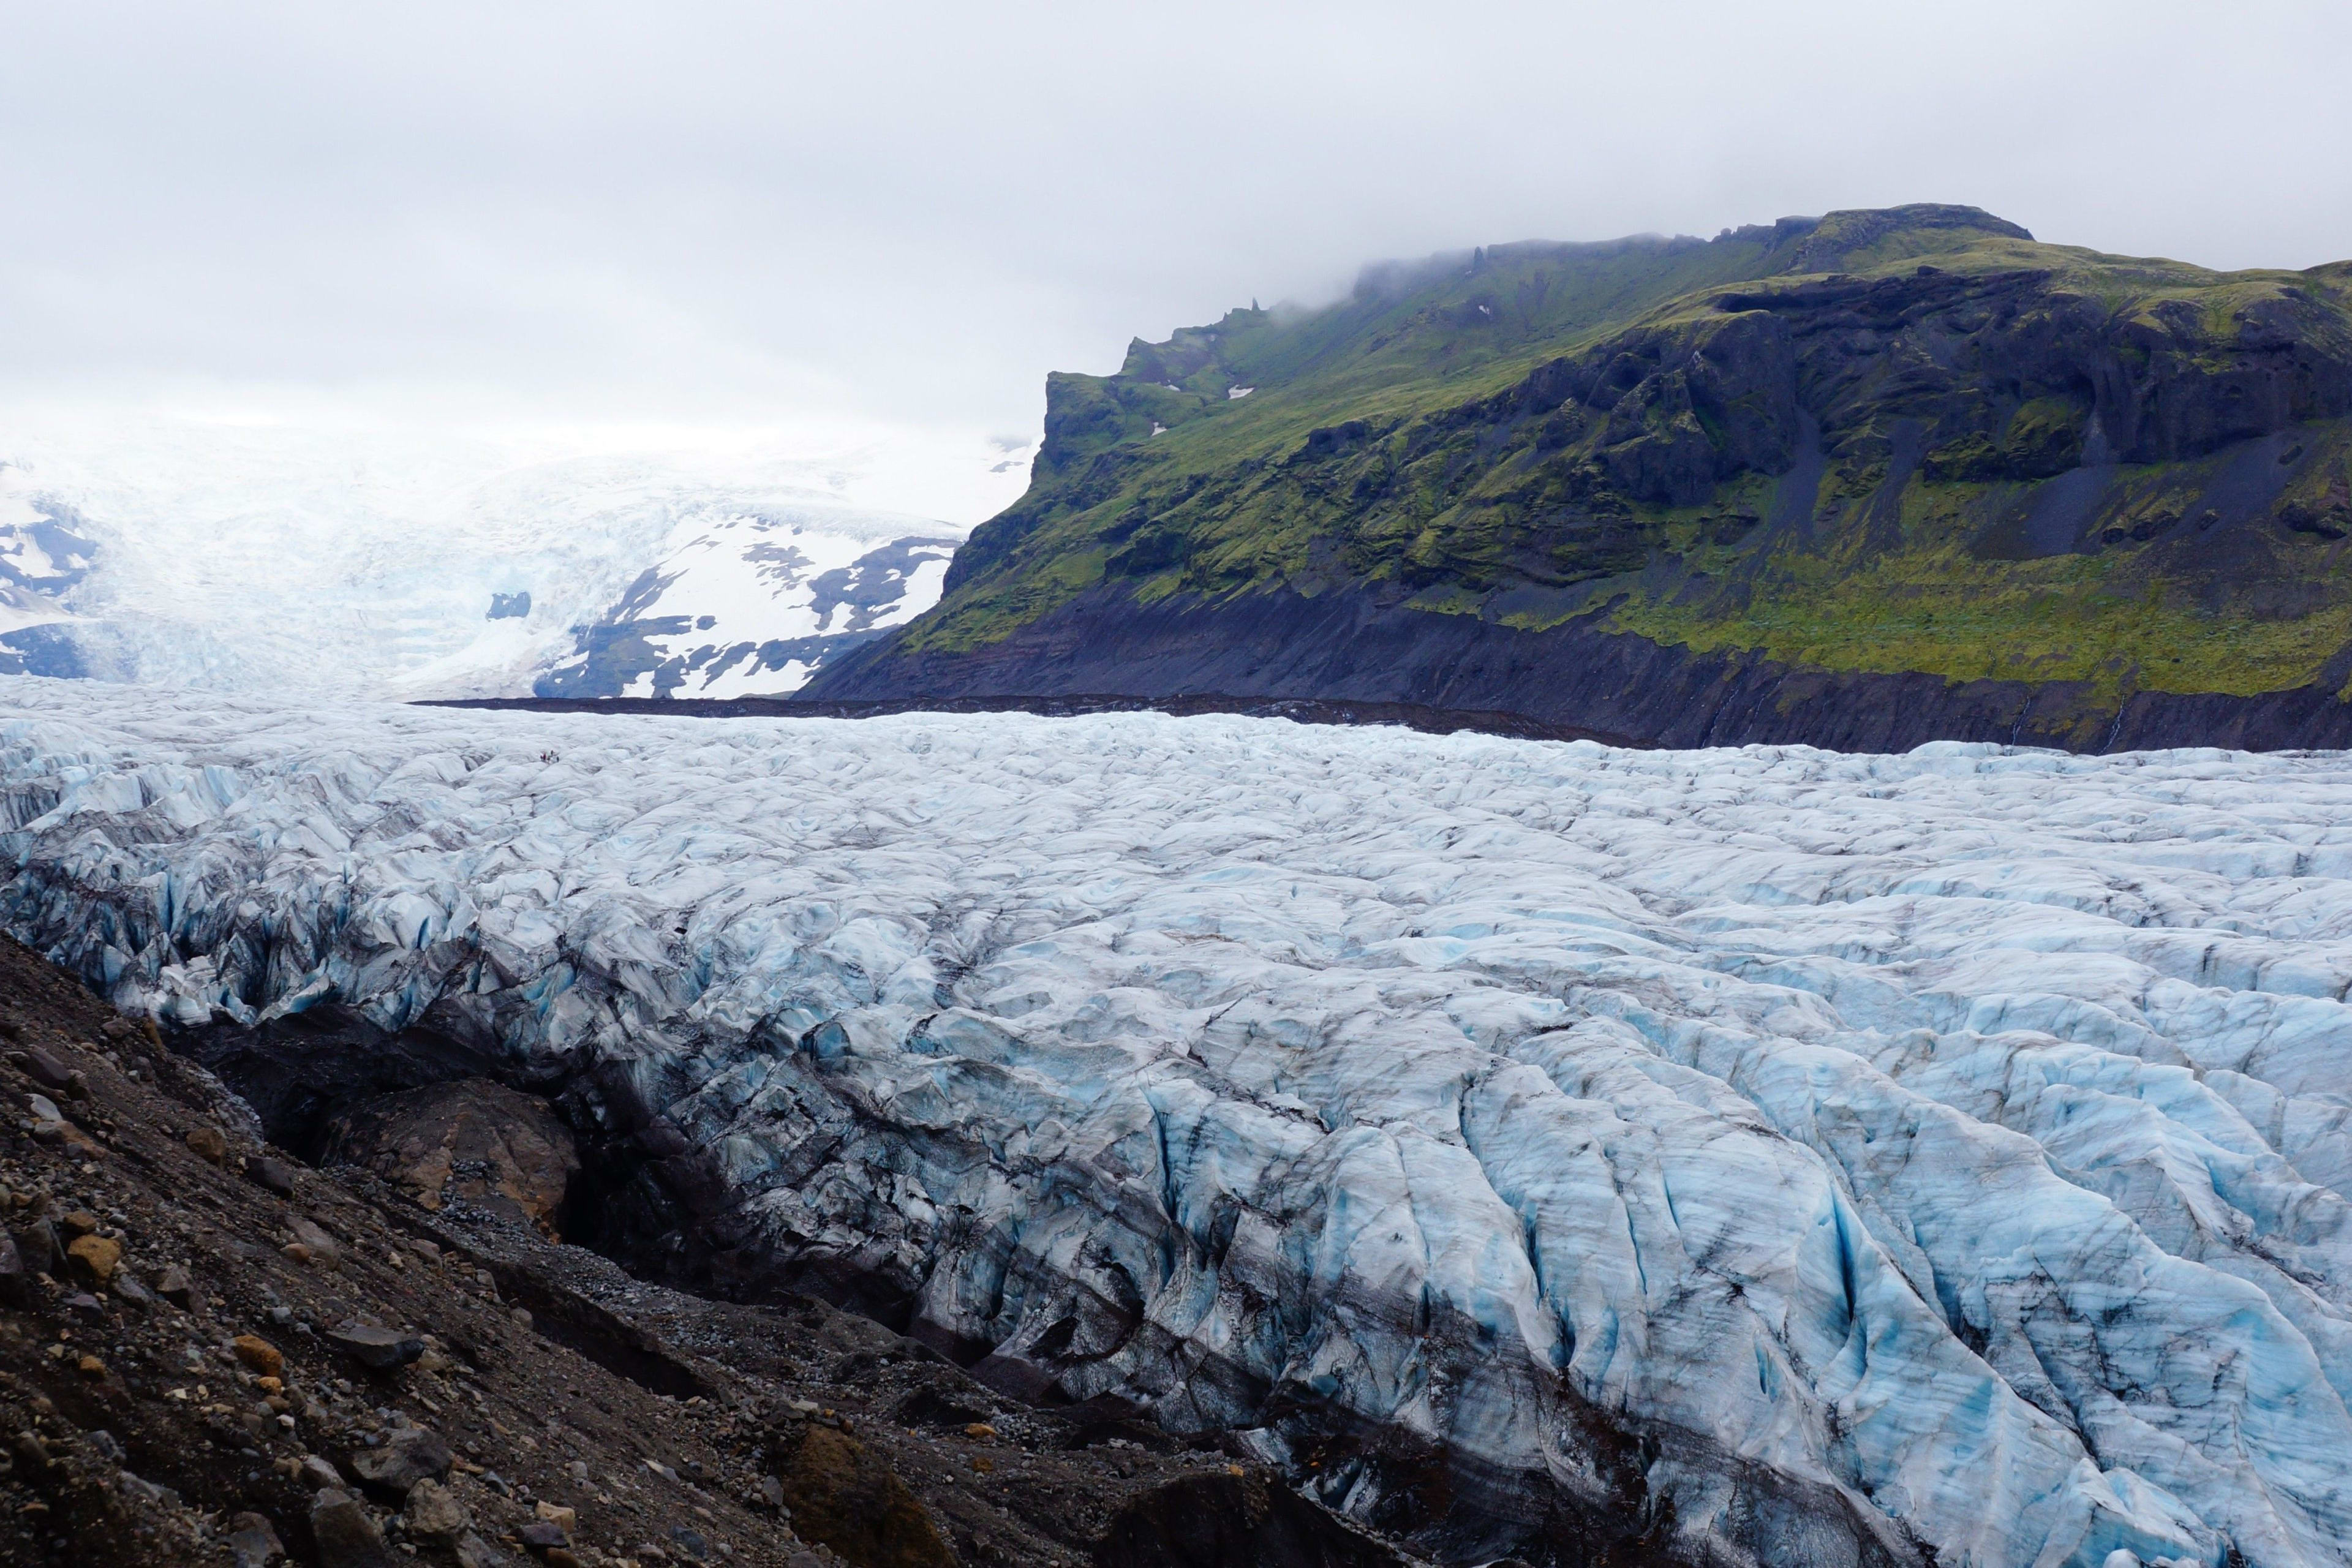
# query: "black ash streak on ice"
(1960, 1134)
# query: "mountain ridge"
(1913, 442)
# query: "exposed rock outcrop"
(471, 1140)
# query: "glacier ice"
(318, 558)
(1843, 1156)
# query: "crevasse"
(1947, 1150)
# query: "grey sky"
(909, 213)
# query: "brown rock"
(473, 1138)
(258, 1354)
(82, 1222)
(541, 1534)
(90, 1367)
(95, 1259)
(173, 1287)
(846, 1496)
(210, 1144)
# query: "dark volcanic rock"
(1339, 647)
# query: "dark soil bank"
(1299, 709)
(1346, 649)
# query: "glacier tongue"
(1844, 1155)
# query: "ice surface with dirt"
(1955, 1144)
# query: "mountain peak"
(1889, 234)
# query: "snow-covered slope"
(751, 602)
(43, 557)
(1837, 1156)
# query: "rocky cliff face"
(1912, 446)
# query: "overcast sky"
(700, 216)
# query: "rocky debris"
(472, 1140)
(522, 1389)
(1232, 1520)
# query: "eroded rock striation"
(1822, 1159)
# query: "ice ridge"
(1940, 1154)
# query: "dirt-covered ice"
(1944, 1149)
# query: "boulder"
(253, 1541)
(433, 1513)
(42, 1067)
(94, 1258)
(272, 1173)
(471, 1140)
(408, 1455)
(378, 1350)
(258, 1354)
(844, 1495)
(15, 1279)
(345, 1536)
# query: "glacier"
(1837, 1159)
(321, 559)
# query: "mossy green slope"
(1910, 440)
